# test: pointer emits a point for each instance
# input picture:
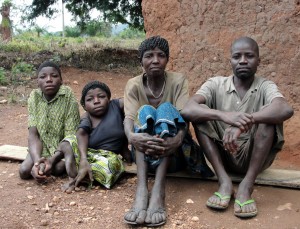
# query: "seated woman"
(93, 152)
(155, 129)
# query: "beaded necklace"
(162, 90)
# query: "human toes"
(141, 217)
(156, 217)
(130, 216)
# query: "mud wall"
(200, 33)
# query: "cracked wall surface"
(200, 33)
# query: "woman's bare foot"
(137, 214)
(156, 213)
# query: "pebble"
(55, 199)
(48, 215)
(56, 213)
(87, 218)
(72, 203)
(75, 82)
(44, 222)
(287, 206)
(189, 201)
(50, 204)
(28, 188)
(30, 197)
(195, 218)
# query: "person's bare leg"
(26, 167)
(137, 213)
(156, 213)
(263, 141)
(225, 184)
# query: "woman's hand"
(83, 171)
(167, 147)
(230, 138)
(144, 142)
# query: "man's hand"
(37, 172)
(241, 120)
(230, 139)
(45, 166)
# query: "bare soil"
(26, 204)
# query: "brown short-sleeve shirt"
(176, 92)
(220, 94)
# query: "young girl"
(93, 152)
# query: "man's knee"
(265, 134)
(25, 171)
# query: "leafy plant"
(3, 79)
(21, 71)
(131, 33)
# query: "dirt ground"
(26, 204)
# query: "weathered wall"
(200, 33)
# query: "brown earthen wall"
(200, 33)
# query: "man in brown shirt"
(238, 122)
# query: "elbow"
(289, 112)
(186, 114)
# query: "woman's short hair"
(92, 85)
(49, 64)
(151, 43)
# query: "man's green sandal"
(225, 199)
(245, 214)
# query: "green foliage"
(18, 46)
(132, 33)
(72, 31)
(12, 97)
(98, 28)
(3, 79)
(6, 3)
(28, 42)
(115, 11)
(21, 71)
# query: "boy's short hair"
(49, 64)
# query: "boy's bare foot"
(69, 186)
